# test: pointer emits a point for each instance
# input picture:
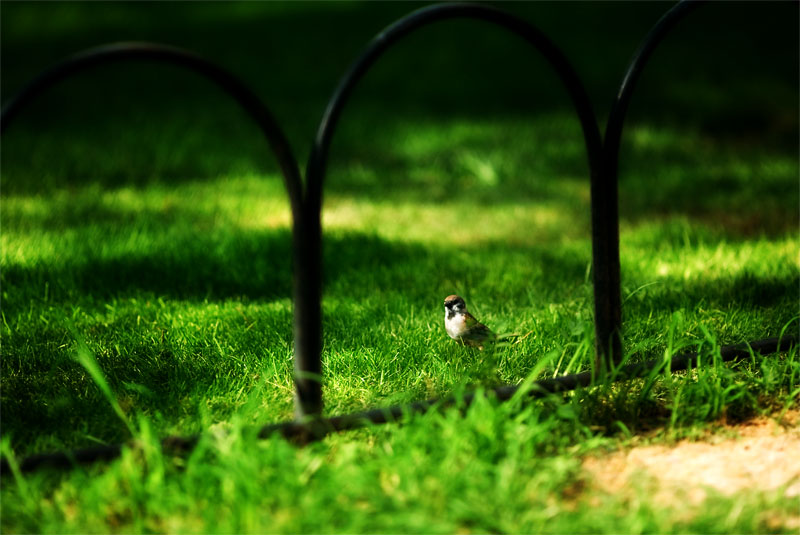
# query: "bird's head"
(455, 304)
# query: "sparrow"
(462, 326)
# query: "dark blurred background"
(728, 75)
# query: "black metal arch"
(616, 119)
(605, 233)
(245, 97)
(248, 100)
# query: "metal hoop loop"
(395, 32)
(249, 102)
(619, 110)
(605, 239)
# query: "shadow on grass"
(746, 291)
(256, 265)
(192, 266)
(189, 262)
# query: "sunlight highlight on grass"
(457, 223)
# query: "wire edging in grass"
(304, 432)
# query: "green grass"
(146, 277)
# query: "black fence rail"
(306, 207)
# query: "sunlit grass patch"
(460, 223)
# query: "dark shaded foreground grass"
(159, 237)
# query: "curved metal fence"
(306, 207)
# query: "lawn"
(146, 267)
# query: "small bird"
(462, 326)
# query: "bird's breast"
(455, 325)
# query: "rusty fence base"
(309, 431)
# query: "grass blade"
(85, 357)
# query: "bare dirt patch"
(759, 455)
